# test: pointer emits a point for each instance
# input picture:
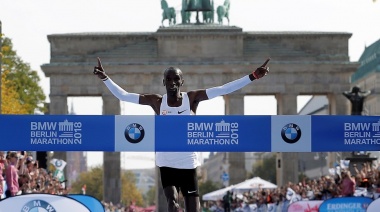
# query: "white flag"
(291, 195)
(332, 171)
(58, 163)
(344, 164)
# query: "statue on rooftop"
(356, 97)
(167, 13)
(208, 16)
(185, 14)
(196, 6)
(223, 11)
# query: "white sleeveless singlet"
(178, 160)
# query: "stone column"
(338, 104)
(287, 162)
(236, 160)
(58, 106)
(111, 160)
(286, 104)
(234, 104)
(160, 196)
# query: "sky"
(28, 23)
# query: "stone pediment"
(145, 50)
(204, 43)
(301, 60)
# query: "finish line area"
(223, 133)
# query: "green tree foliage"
(22, 79)
(150, 196)
(207, 187)
(93, 180)
(10, 103)
(266, 169)
(129, 192)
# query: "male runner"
(178, 169)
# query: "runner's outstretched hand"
(261, 71)
(99, 71)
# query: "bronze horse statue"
(197, 6)
(223, 12)
(168, 13)
(185, 14)
(208, 16)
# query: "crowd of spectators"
(131, 207)
(20, 174)
(364, 182)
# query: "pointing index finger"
(266, 62)
(99, 63)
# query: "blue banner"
(89, 201)
(135, 133)
(57, 132)
(43, 202)
(213, 133)
(291, 133)
(345, 133)
(233, 133)
(345, 204)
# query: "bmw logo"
(291, 133)
(58, 163)
(134, 133)
(36, 206)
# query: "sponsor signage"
(345, 204)
(42, 202)
(291, 133)
(90, 202)
(232, 133)
(302, 206)
(345, 133)
(213, 133)
(374, 206)
(57, 132)
(135, 133)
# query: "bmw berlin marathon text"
(362, 133)
(208, 133)
(63, 133)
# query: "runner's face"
(173, 81)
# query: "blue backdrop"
(231, 133)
